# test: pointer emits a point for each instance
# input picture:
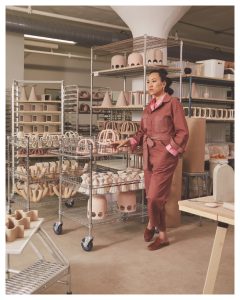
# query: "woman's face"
(155, 85)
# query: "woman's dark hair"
(163, 75)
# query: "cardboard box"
(193, 157)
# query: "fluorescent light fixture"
(41, 44)
(48, 39)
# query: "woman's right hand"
(121, 143)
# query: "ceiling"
(209, 29)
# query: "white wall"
(14, 58)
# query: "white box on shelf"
(213, 68)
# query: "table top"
(17, 246)
(197, 207)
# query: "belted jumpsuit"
(163, 126)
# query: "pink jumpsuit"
(163, 126)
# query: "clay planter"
(99, 207)
(118, 61)
(135, 59)
(19, 219)
(126, 201)
(13, 231)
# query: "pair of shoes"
(148, 234)
(157, 244)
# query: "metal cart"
(68, 151)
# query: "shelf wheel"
(57, 228)
(87, 243)
(69, 203)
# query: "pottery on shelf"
(84, 146)
(135, 59)
(111, 125)
(121, 101)
(23, 95)
(84, 94)
(126, 201)
(107, 100)
(13, 231)
(99, 207)
(32, 214)
(18, 218)
(32, 96)
(128, 128)
(97, 95)
(105, 139)
(118, 61)
(154, 56)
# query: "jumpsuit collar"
(166, 98)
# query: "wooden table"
(224, 218)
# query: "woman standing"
(163, 134)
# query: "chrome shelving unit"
(141, 45)
(14, 145)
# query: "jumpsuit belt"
(148, 142)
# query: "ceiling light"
(41, 44)
(48, 39)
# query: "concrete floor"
(120, 262)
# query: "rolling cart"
(67, 150)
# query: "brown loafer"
(158, 244)
(148, 234)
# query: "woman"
(164, 134)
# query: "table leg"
(215, 258)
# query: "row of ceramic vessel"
(210, 113)
(126, 202)
(153, 56)
(122, 181)
(51, 169)
(36, 192)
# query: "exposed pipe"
(69, 55)
(64, 17)
(51, 27)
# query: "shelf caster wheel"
(124, 217)
(87, 243)
(69, 293)
(69, 203)
(57, 228)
